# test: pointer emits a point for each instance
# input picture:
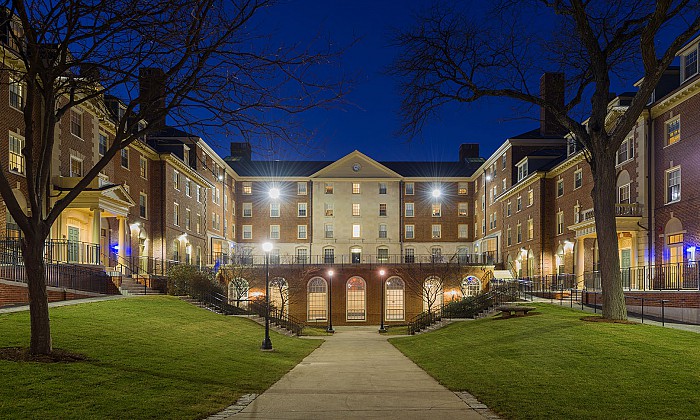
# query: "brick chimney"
(468, 150)
(551, 90)
(241, 151)
(152, 93)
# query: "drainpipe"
(401, 221)
(650, 187)
(310, 213)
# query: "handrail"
(486, 258)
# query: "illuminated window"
(16, 157)
(355, 187)
(462, 209)
(76, 167)
(436, 209)
(355, 209)
(356, 231)
(328, 209)
(382, 209)
(530, 229)
(673, 131)
(176, 180)
(329, 188)
(462, 188)
(394, 299)
(560, 223)
(355, 299)
(247, 188)
(317, 299)
(673, 185)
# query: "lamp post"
(381, 278)
(330, 302)
(267, 343)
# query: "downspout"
(650, 187)
(401, 221)
(543, 215)
(310, 212)
(163, 243)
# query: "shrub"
(191, 280)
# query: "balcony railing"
(487, 258)
(677, 276)
(55, 250)
(621, 210)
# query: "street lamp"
(267, 343)
(381, 278)
(436, 193)
(274, 193)
(330, 302)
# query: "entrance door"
(356, 255)
(73, 243)
(625, 264)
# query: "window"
(394, 299)
(504, 185)
(530, 229)
(143, 205)
(560, 187)
(301, 188)
(328, 230)
(578, 179)
(274, 209)
(355, 209)
(356, 231)
(176, 180)
(462, 188)
(188, 217)
(462, 209)
(623, 194)
(409, 209)
(318, 299)
(355, 187)
(409, 255)
(508, 209)
(382, 255)
(673, 131)
(409, 188)
(463, 231)
(382, 231)
(560, 223)
(216, 196)
(673, 185)
(382, 188)
(301, 209)
(125, 158)
(519, 232)
(76, 123)
(143, 167)
(509, 239)
(531, 197)
(436, 254)
(102, 144)
(625, 152)
(518, 204)
(690, 65)
(328, 256)
(571, 147)
(437, 231)
(355, 299)
(247, 188)
(16, 163)
(247, 232)
(16, 94)
(198, 223)
(382, 209)
(409, 231)
(302, 256)
(301, 231)
(188, 187)
(274, 231)
(76, 167)
(522, 171)
(328, 209)
(216, 221)
(329, 188)
(247, 209)
(176, 214)
(436, 209)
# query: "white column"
(579, 262)
(121, 238)
(96, 228)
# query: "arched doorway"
(674, 244)
(355, 296)
(317, 298)
(471, 286)
(395, 299)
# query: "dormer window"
(522, 171)
(571, 147)
(690, 64)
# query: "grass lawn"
(553, 365)
(149, 357)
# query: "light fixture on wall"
(274, 193)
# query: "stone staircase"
(132, 288)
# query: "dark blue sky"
(369, 121)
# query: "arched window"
(279, 294)
(355, 299)
(432, 294)
(471, 286)
(674, 243)
(394, 303)
(238, 289)
(317, 299)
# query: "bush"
(191, 280)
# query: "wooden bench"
(508, 311)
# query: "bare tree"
(455, 55)
(430, 280)
(215, 69)
(236, 277)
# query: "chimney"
(468, 151)
(152, 94)
(552, 91)
(241, 151)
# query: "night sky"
(369, 121)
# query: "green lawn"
(553, 365)
(150, 357)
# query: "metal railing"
(278, 317)
(676, 276)
(621, 210)
(487, 258)
(55, 250)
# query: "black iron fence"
(676, 276)
(488, 258)
(55, 250)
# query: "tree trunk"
(33, 250)
(604, 200)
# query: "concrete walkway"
(356, 373)
(22, 308)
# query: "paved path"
(356, 373)
(21, 308)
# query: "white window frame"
(70, 169)
(667, 179)
(16, 161)
(302, 207)
(409, 188)
(247, 209)
(436, 231)
(411, 207)
(302, 188)
(275, 210)
(409, 231)
(578, 178)
(247, 232)
(462, 231)
(356, 231)
(667, 134)
(301, 232)
(275, 231)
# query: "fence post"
(582, 293)
(663, 313)
(571, 297)
(595, 302)
(642, 310)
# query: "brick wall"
(12, 293)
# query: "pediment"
(356, 165)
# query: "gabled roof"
(277, 168)
(536, 134)
(434, 169)
(356, 164)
